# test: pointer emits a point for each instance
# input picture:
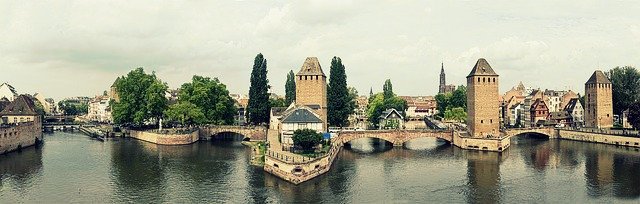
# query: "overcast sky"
(72, 48)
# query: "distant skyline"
(78, 48)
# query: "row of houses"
(526, 107)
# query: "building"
(554, 99)
(20, 126)
(528, 103)
(391, 119)
(7, 91)
(625, 120)
(561, 118)
(574, 107)
(311, 88)
(483, 101)
(598, 101)
(113, 92)
(48, 104)
(444, 88)
(99, 110)
(359, 117)
(297, 118)
(567, 97)
(515, 115)
(539, 111)
(420, 106)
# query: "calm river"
(73, 168)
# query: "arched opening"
(368, 145)
(529, 138)
(427, 143)
(229, 137)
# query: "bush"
(306, 138)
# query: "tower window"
(300, 77)
(478, 79)
(481, 121)
(305, 77)
(483, 79)
(494, 80)
(491, 121)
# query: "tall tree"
(211, 97)
(258, 106)
(634, 114)
(185, 113)
(378, 104)
(290, 88)
(338, 100)
(387, 89)
(625, 84)
(141, 98)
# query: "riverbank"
(167, 136)
(258, 151)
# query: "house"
(21, 110)
(574, 108)
(297, 118)
(391, 119)
(515, 113)
(47, 103)
(528, 104)
(539, 111)
(563, 118)
(275, 116)
(99, 109)
(7, 91)
(359, 117)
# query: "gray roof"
(386, 113)
(559, 115)
(598, 78)
(277, 111)
(22, 105)
(571, 105)
(301, 115)
(482, 68)
(311, 66)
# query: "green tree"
(141, 98)
(277, 102)
(459, 98)
(338, 98)
(634, 115)
(387, 89)
(377, 105)
(306, 138)
(457, 114)
(258, 106)
(211, 97)
(185, 113)
(625, 84)
(290, 88)
(442, 102)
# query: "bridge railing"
(624, 133)
(299, 159)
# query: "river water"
(73, 168)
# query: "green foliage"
(73, 108)
(277, 102)
(258, 106)
(634, 115)
(449, 101)
(290, 88)
(457, 114)
(378, 104)
(211, 97)
(339, 102)
(625, 84)
(185, 113)
(387, 89)
(141, 98)
(306, 138)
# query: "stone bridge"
(253, 133)
(397, 137)
(546, 131)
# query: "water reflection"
(21, 169)
(72, 168)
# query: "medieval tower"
(483, 106)
(598, 101)
(311, 88)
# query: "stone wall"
(483, 106)
(13, 137)
(484, 144)
(254, 133)
(599, 138)
(298, 171)
(165, 139)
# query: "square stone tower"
(483, 106)
(598, 109)
(311, 88)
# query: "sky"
(77, 48)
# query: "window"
(491, 121)
(481, 121)
(494, 80)
(483, 79)
(478, 79)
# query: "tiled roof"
(559, 115)
(598, 78)
(22, 105)
(311, 66)
(571, 105)
(482, 68)
(301, 115)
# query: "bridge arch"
(545, 132)
(255, 133)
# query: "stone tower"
(443, 82)
(483, 107)
(598, 109)
(311, 88)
